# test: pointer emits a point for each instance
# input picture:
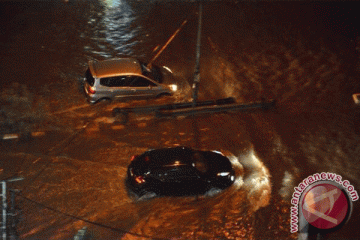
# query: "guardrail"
(124, 112)
(8, 229)
(153, 108)
(190, 108)
(214, 109)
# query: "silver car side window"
(105, 82)
(119, 81)
(113, 81)
(141, 82)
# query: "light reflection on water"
(256, 180)
(117, 31)
(118, 20)
(287, 186)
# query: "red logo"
(325, 206)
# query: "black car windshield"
(153, 72)
(200, 163)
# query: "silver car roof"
(115, 67)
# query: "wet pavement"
(74, 175)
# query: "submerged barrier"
(190, 108)
(215, 109)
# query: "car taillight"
(133, 157)
(139, 179)
(91, 90)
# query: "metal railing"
(8, 228)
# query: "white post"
(4, 206)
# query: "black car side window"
(187, 172)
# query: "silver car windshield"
(153, 73)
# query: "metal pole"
(4, 206)
(197, 64)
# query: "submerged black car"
(179, 171)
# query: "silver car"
(124, 78)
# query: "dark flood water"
(301, 54)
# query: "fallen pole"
(166, 44)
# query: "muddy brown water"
(295, 53)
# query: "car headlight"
(223, 174)
(218, 152)
(173, 87)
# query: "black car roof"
(170, 157)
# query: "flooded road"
(75, 173)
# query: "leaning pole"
(195, 85)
